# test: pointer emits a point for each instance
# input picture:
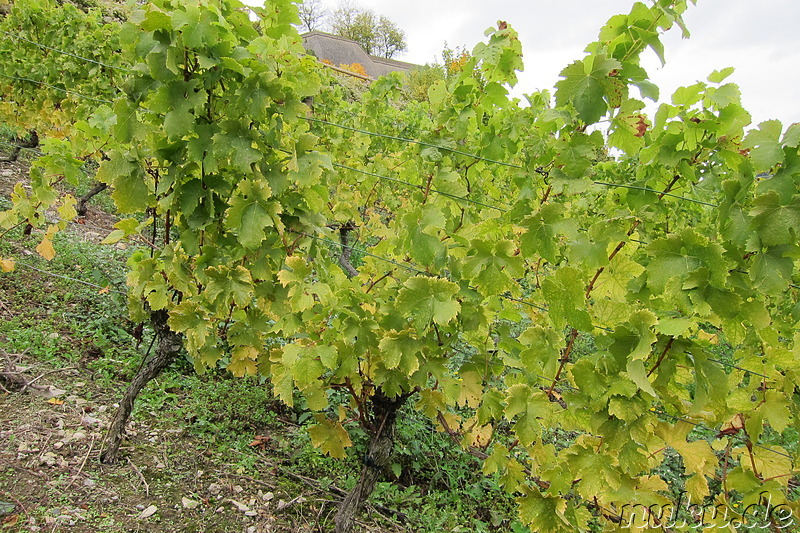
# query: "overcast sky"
(760, 40)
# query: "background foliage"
(551, 285)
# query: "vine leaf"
(229, 285)
(428, 300)
(764, 145)
(564, 293)
(330, 437)
(251, 212)
(584, 85)
(542, 513)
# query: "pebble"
(215, 489)
(189, 504)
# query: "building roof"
(342, 51)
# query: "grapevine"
(454, 253)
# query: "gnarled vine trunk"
(82, 208)
(20, 143)
(168, 344)
(376, 461)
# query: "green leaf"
(397, 345)
(792, 136)
(131, 186)
(638, 374)
(765, 147)
(698, 457)
(776, 222)
(682, 254)
(718, 76)
(583, 86)
(543, 228)
(771, 271)
(251, 211)
(428, 300)
(776, 409)
(542, 513)
(243, 361)
(328, 356)
(525, 408)
(229, 285)
(492, 266)
(595, 471)
(565, 295)
(178, 123)
(688, 96)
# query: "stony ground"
(51, 478)
(54, 413)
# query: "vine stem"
(564, 358)
(371, 285)
(661, 357)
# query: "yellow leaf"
(104, 290)
(449, 422)
(243, 361)
(46, 249)
(55, 401)
(330, 437)
(479, 436)
(710, 337)
(67, 209)
(7, 265)
(697, 487)
(471, 389)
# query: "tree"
(390, 39)
(514, 283)
(312, 15)
(376, 35)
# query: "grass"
(66, 324)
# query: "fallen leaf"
(150, 511)
(11, 521)
(104, 290)
(260, 441)
(55, 401)
(7, 265)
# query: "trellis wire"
(70, 54)
(421, 187)
(648, 189)
(412, 141)
(53, 274)
(67, 91)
